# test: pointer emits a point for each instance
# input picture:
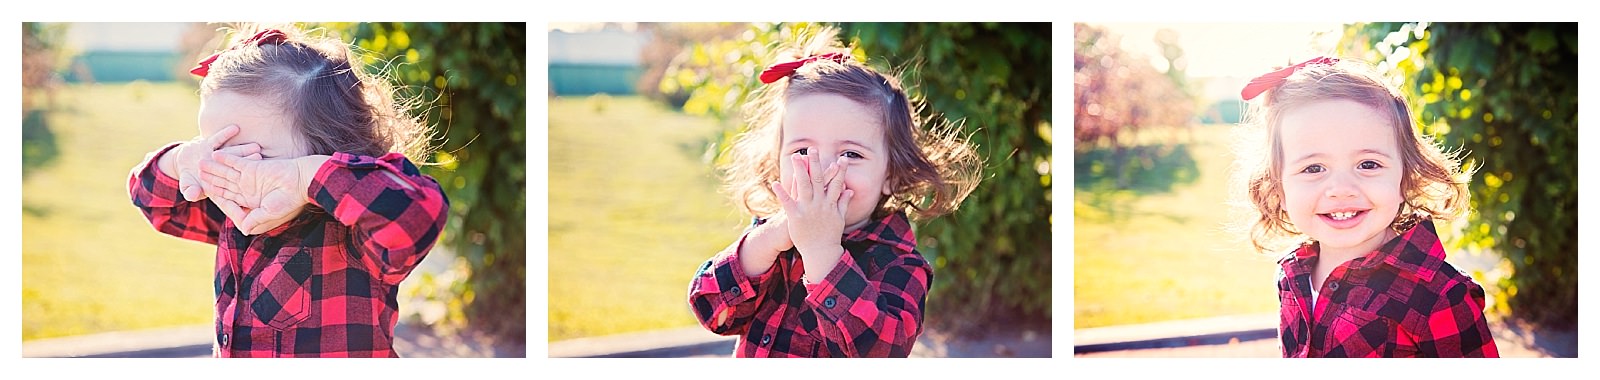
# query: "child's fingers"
(215, 140)
(835, 180)
(783, 196)
(801, 177)
(241, 150)
(844, 201)
(215, 169)
(232, 161)
(218, 185)
(233, 195)
(813, 165)
(232, 210)
(253, 221)
(189, 186)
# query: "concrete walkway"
(1256, 336)
(195, 342)
(1233, 336)
(693, 342)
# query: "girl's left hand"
(264, 193)
(815, 211)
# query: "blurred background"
(1154, 115)
(94, 271)
(641, 113)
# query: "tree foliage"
(992, 258)
(41, 59)
(1118, 93)
(1506, 93)
(470, 76)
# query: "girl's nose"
(1341, 185)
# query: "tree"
(991, 258)
(474, 70)
(1119, 93)
(1506, 93)
(41, 58)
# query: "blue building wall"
(577, 79)
(124, 66)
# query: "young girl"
(315, 216)
(833, 161)
(1349, 176)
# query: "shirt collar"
(893, 230)
(1417, 250)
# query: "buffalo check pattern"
(1402, 300)
(323, 284)
(870, 305)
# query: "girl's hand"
(183, 162)
(264, 193)
(766, 241)
(816, 211)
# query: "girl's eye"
(1369, 165)
(851, 155)
(801, 151)
(1313, 169)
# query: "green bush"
(1507, 93)
(471, 76)
(992, 257)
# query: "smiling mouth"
(1343, 215)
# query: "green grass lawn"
(634, 210)
(1157, 250)
(90, 261)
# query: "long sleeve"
(723, 297)
(156, 195)
(396, 213)
(1457, 327)
(877, 316)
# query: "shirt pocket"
(280, 296)
(1359, 333)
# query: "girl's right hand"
(183, 161)
(766, 241)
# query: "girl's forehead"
(1336, 125)
(828, 116)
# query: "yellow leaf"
(401, 39)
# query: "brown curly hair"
(931, 167)
(334, 104)
(1434, 184)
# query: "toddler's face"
(259, 120)
(837, 127)
(1341, 173)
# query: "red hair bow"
(1273, 79)
(269, 36)
(778, 71)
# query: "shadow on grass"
(1109, 179)
(39, 148)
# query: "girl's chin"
(1349, 238)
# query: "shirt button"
(828, 302)
(1333, 286)
(735, 290)
(766, 339)
(224, 339)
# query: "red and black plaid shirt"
(870, 305)
(1402, 300)
(323, 284)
